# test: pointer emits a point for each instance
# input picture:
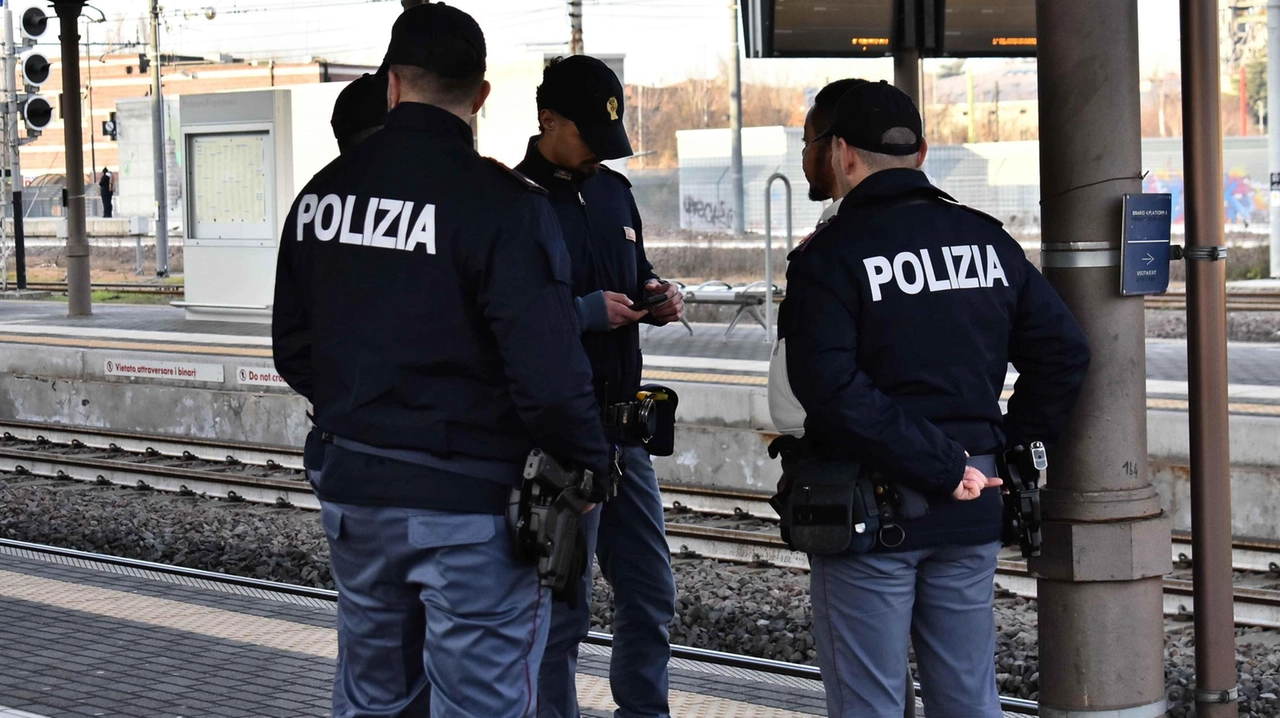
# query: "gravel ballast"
(762, 612)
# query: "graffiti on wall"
(706, 213)
(1246, 202)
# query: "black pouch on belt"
(831, 507)
(313, 451)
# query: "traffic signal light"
(35, 67)
(37, 111)
(34, 24)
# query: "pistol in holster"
(543, 520)
(1021, 468)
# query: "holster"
(543, 520)
(1020, 469)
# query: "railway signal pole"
(158, 148)
(80, 300)
(735, 126)
(11, 147)
(1106, 538)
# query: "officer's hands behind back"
(620, 311)
(973, 483)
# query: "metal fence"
(999, 178)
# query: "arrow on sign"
(1148, 259)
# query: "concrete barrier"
(721, 442)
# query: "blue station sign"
(1144, 260)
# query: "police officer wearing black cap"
(901, 317)
(422, 305)
(360, 110)
(580, 114)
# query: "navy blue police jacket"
(901, 318)
(422, 303)
(603, 233)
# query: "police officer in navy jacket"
(901, 317)
(423, 306)
(580, 113)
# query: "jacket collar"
(541, 170)
(421, 117)
(890, 184)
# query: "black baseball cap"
(586, 91)
(361, 105)
(868, 112)
(441, 39)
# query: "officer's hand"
(673, 308)
(588, 509)
(620, 311)
(972, 484)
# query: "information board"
(1144, 261)
(230, 185)
(999, 28)
(872, 28)
(832, 28)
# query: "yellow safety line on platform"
(707, 377)
(139, 346)
(593, 691)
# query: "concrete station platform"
(83, 638)
(148, 369)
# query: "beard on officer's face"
(817, 170)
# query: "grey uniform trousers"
(627, 535)
(435, 617)
(867, 606)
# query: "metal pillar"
(11, 147)
(1216, 691)
(1106, 539)
(1273, 127)
(158, 148)
(79, 297)
(735, 126)
(906, 74)
(575, 27)
(768, 248)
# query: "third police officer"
(901, 317)
(422, 305)
(580, 117)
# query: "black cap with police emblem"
(362, 105)
(878, 117)
(585, 90)
(440, 39)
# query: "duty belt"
(508, 473)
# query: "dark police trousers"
(435, 617)
(627, 536)
(867, 606)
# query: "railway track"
(274, 476)
(1236, 301)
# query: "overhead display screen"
(1000, 28)
(875, 28)
(832, 28)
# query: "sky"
(664, 41)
